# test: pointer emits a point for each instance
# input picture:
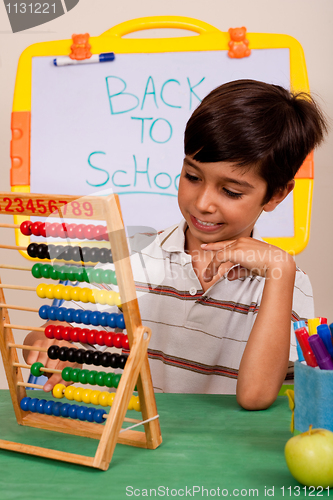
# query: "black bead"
(50, 251)
(96, 357)
(88, 357)
(86, 254)
(52, 352)
(32, 250)
(71, 355)
(105, 255)
(110, 258)
(62, 354)
(114, 360)
(42, 252)
(94, 254)
(67, 253)
(106, 359)
(76, 254)
(79, 354)
(122, 361)
(55, 252)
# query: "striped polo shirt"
(198, 338)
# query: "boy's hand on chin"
(249, 257)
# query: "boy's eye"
(232, 194)
(191, 178)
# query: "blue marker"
(324, 333)
(297, 325)
(95, 58)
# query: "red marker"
(303, 339)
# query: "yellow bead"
(78, 394)
(91, 296)
(40, 290)
(86, 395)
(57, 291)
(117, 301)
(69, 392)
(131, 403)
(110, 298)
(66, 293)
(94, 397)
(111, 396)
(103, 399)
(58, 391)
(75, 293)
(101, 296)
(136, 404)
(84, 296)
(49, 291)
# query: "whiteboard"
(119, 126)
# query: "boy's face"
(219, 200)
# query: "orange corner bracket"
(20, 148)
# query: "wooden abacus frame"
(136, 370)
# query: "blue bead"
(90, 414)
(48, 407)
(81, 412)
(32, 405)
(98, 416)
(56, 409)
(94, 318)
(76, 316)
(64, 409)
(40, 405)
(72, 412)
(52, 313)
(120, 321)
(85, 317)
(103, 319)
(69, 313)
(43, 312)
(60, 314)
(112, 320)
(25, 404)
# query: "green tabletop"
(211, 448)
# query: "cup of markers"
(313, 388)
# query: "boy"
(219, 300)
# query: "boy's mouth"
(204, 225)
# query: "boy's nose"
(206, 201)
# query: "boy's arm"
(265, 360)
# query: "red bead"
(49, 331)
(83, 335)
(89, 231)
(117, 340)
(42, 229)
(58, 332)
(35, 228)
(25, 227)
(79, 231)
(124, 342)
(99, 232)
(52, 230)
(62, 230)
(108, 339)
(75, 334)
(66, 333)
(100, 338)
(91, 337)
(71, 228)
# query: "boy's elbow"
(255, 400)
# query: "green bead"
(79, 274)
(108, 379)
(91, 377)
(90, 275)
(66, 374)
(116, 379)
(109, 277)
(45, 271)
(85, 275)
(75, 374)
(100, 378)
(62, 274)
(35, 369)
(35, 271)
(97, 275)
(83, 376)
(71, 273)
(53, 273)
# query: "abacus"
(74, 262)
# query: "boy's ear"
(278, 197)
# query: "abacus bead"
(136, 404)
(36, 271)
(52, 352)
(75, 293)
(109, 276)
(61, 230)
(94, 397)
(62, 273)
(90, 414)
(116, 379)
(99, 232)
(75, 374)
(69, 315)
(122, 361)
(104, 255)
(83, 335)
(108, 339)
(76, 316)
(35, 369)
(91, 337)
(42, 251)
(58, 391)
(72, 411)
(117, 340)
(103, 399)
(80, 275)
(101, 297)
(96, 356)
(56, 409)
(124, 342)
(110, 258)
(45, 271)
(97, 275)
(60, 314)
(79, 355)
(83, 376)
(84, 294)
(66, 333)
(49, 331)
(58, 334)
(71, 273)
(52, 230)
(79, 231)
(75, 334)
(94, 254)
(120, 321)
(58, 291)
(24, 404)
(85, 315)
(100, 338)
(114, 361)
(69, 392)
(86, 395)
(25, 228)
(89, 232)
(40, 406)
(81, 412)
(48, 407)
(94, 318)
(103, 319)
(67, 252)
(62, 355)
(64, 409)
(86, 254)
(32, 250)
(35, 228)
(32, 405)
(55, 251)
(66, 374)
(110, 298)
(53, 273)
(111, 397)
(90, 275)
(76, 254)
(91, 296)
(131, 402)
(52, 313)
(49, 291)
(87, 358)
(100, 379)
(43, 312)
(111, 320)
(42, 229)
(108, 379)
(71, 355)
(40, 290)
(91, 378)
(117, 301)
(105, 359)
(78, 394)
(71, 230)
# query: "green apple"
(309, 457)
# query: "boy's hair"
(256, 124)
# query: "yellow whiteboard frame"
(209, 38)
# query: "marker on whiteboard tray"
(95, 58)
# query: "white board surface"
(119, 126)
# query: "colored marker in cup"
(324, 360)
(303, 339)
